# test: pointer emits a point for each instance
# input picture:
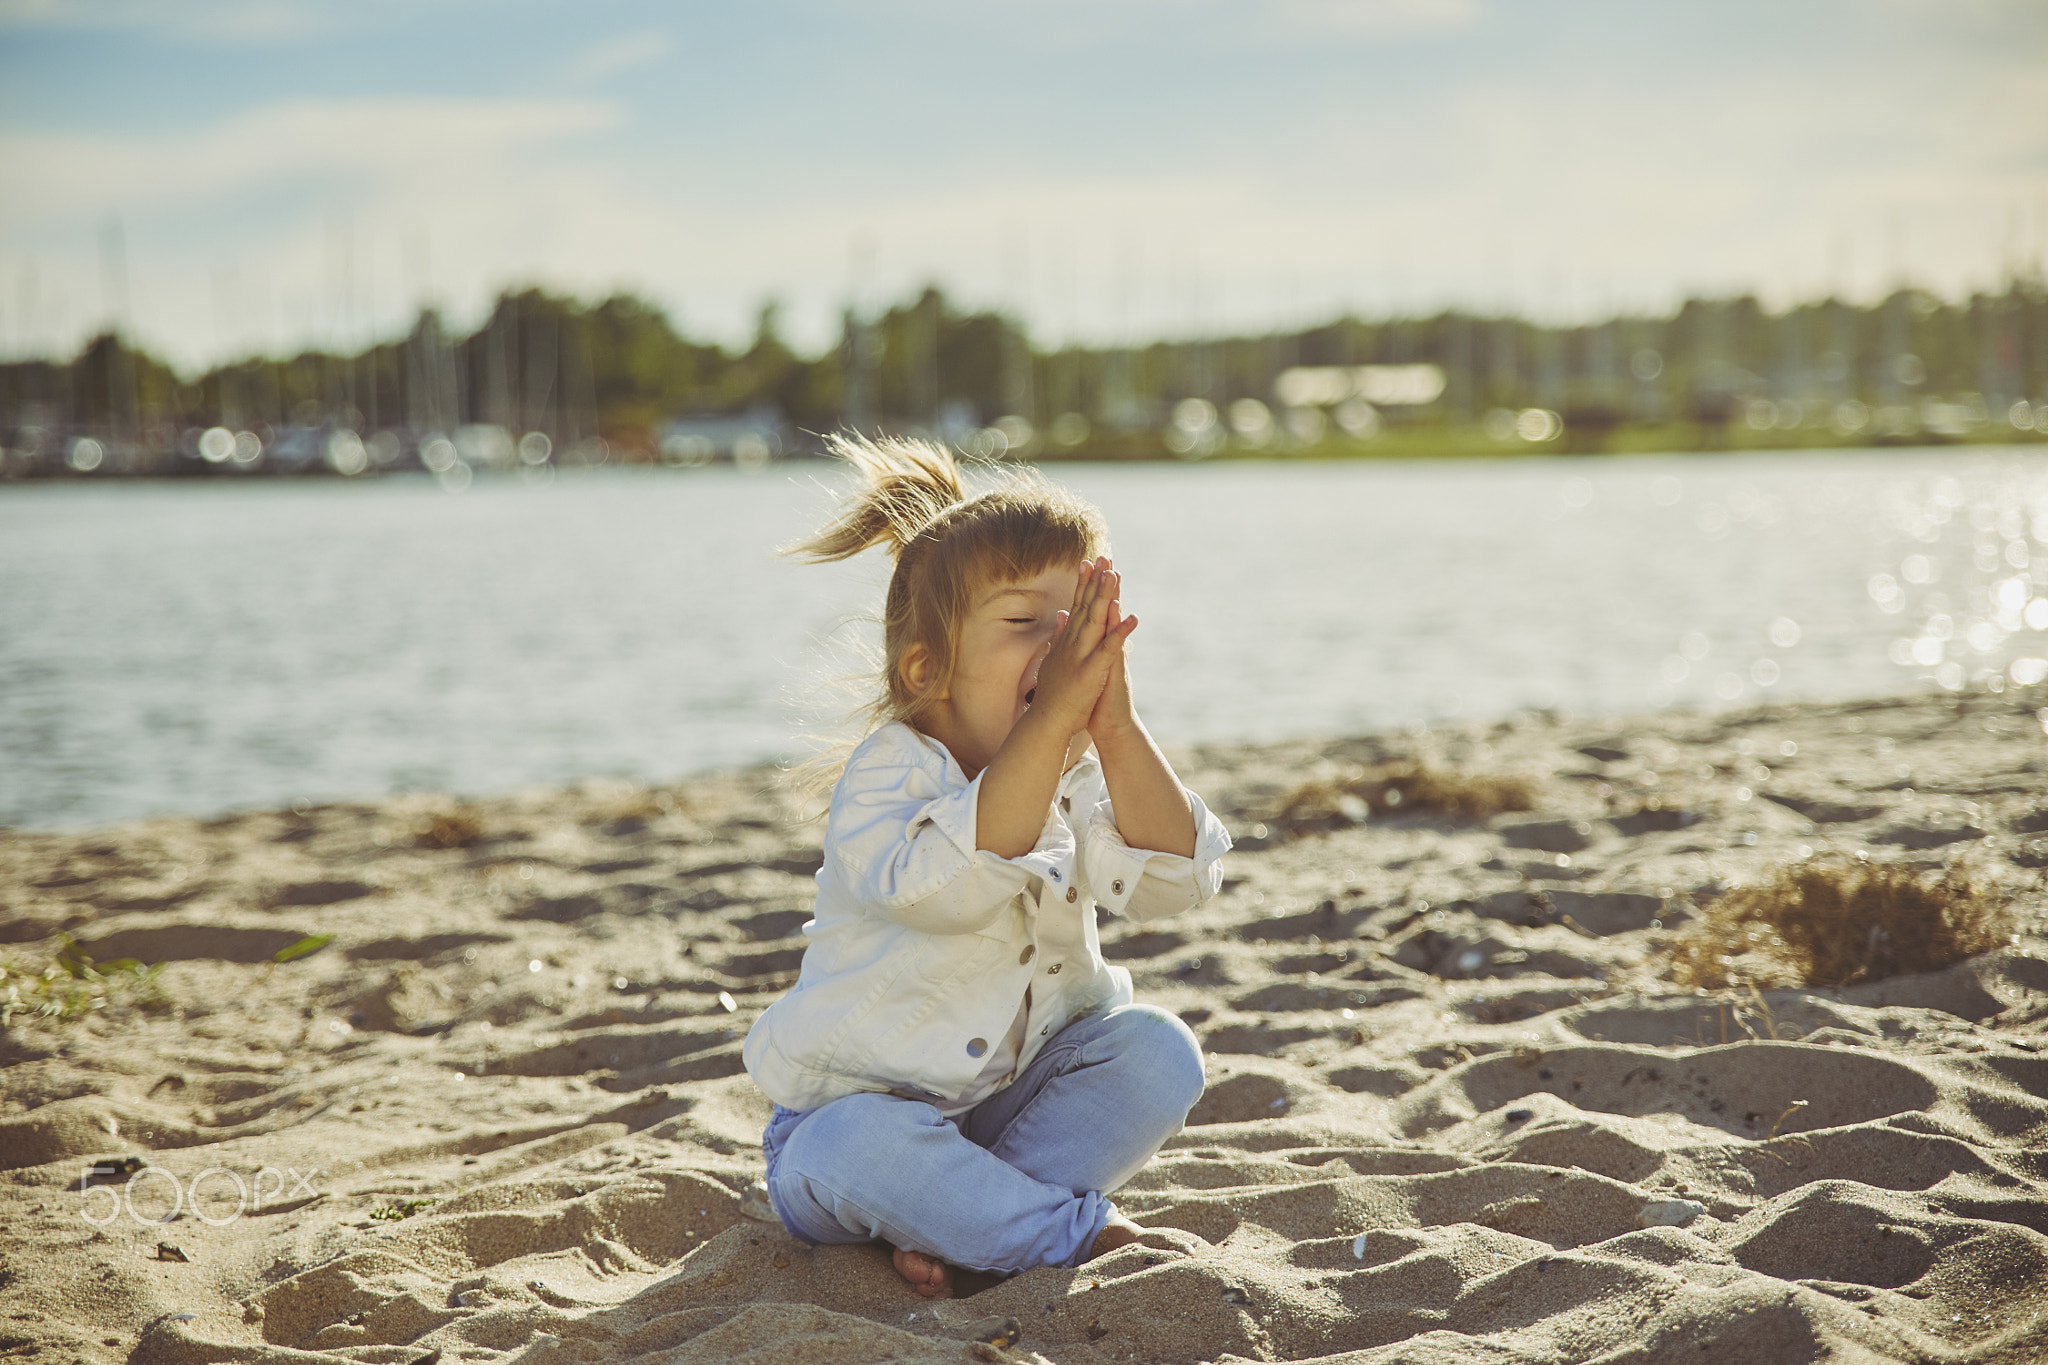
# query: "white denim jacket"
(922, 946)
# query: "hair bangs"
(1014, 539)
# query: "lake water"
(194, 647)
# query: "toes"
(1173, 1239)
(928, 1275)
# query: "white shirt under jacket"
(923, 948)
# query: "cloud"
(239, 21)
(1143, 28)
(61, 175)
(610, 56)
(498, 189)
(1378, 18)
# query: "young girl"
(957, 1071)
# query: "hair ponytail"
(906, 485)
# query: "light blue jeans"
(1017, 1181)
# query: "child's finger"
(1088, 608)
(1082, 592)
(1110, 647)
(1105, 586)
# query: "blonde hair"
(948, 547)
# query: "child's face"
(1002, 642)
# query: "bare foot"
(1119, 1231)
(931, 1277)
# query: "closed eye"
(1022, 620)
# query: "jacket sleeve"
(904, 847)
(1141, 884)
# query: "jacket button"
(976, 1046)
(1030, 951)
(1117, 887)
(1054, 970)
(1072, 895)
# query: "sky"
(220, 177)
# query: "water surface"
(196, 647)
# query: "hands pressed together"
(1083, 679)
(1083, 685)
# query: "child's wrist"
(1113, 737)
(1042, 725)
(1047, 711)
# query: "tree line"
(618, 369)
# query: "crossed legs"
(1019, 1181)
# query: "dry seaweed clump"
(1403, 787)
(1837, 923)
(449, 829)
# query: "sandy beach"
(436, 1080)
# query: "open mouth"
(1029, 695)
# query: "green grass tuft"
(71, 985)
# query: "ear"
(918, 668)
